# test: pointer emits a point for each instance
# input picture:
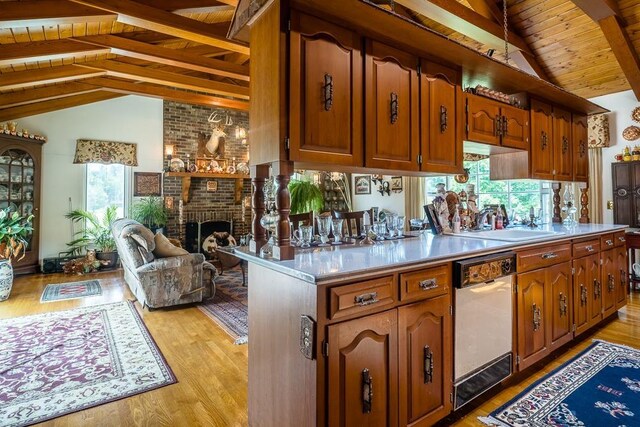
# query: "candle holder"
(532, 223)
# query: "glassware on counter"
(336, 226)
(324, 229)
(304, 234)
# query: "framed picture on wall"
(362, 184)
(147, 184)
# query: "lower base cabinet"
(610, 275)
(587, 306)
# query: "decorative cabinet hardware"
(443, 119)
(622, 192)
(583, 294)
(609, 242)
(428, 284)
(597, 288)
(623, 278)
(367, 299)
(589, 248)
(612, 282)
(505, 125)
(549, 255)
(537, 317)
(543, 140)
(367, 391)
(307, 336)
(582, 148)
(563, 304)
(428, 365)
(565, 145)
(327, 92)
(622, 239)
(498, 126)
(394, 107)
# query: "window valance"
(106, 152)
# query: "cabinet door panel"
(483, 117)
(562, 148)
(326, 93)
(623, 277)
(517, 129)
(581, 295)
(580, 144)
(393, 140)
(560, 304)
(609, 274)
(531, 318)
(363, 371)
(623, 194)
(541, 140)
(440, 140)
(425, 359)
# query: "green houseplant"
(305, 197)
(96, 232)
(14, 232)
(150, 212)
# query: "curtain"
(414, 197)
(106, 152)
(595, 185)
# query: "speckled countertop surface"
(317, 264)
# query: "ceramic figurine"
(626, 154)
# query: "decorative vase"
(6, 279)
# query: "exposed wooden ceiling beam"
(145, 89)
(487, 8)
(55, 104)
(465, 21)
(598, 9)
(46, 50)
(41, 76)
(13, 99)
(151, 75)
(173, 57)
(151, 18)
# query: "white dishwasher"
(483, 324)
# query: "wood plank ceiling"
(60, 53)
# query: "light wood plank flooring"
(212, 371)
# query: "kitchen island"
(356, 334)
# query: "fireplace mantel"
(186, 182)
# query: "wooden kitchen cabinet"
(622, 265)
(609, 280)
(559, 282)
(531, 317)
(363, 371)
(440, 137)
(541, 140)
(516, 130)
(580, 145)
(325, 93)
(562, 148)
(586, 274)
(483, 120)
(425, 360)
(391, 108)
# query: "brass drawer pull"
(428, 284)
(367, 391)
(609, 242)
(428, 365)
(622, 239)
(366, 299)
(537, 318)
(550, 255)
(589, 248)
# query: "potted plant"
(96, 232)
(305, 197)
(150, 212)
(14, 230)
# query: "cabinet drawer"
(426, 283)
(362, 297)
(542, 257)
(619, 238)
(606, 241)
(586, 248)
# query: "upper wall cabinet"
(391, 108)
(495, 123)
(562, 165)
(541, 140)
(580, 148)
(325, 93)
(440, 105)
(515, 127)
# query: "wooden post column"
(283, 250)
(259, 175)
(555, 186)
(584, 203)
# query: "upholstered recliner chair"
(160, 282)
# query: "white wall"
(127, 119)
(361, 202)
(621, 104)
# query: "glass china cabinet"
(20, 169)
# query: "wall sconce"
(168, 151)
(241, 134)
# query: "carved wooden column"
(555, 186)
(283, 250)
(584, 203)
(259, 175)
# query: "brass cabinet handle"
(394, 107)
(549, 255)
(428, 284)
(428, 365)
(505, 125)
(583, 294)
(498, 126)
(612, 282)
(543, 140)
(366, 299)
(583, 148)
(609, 242)
(327, 92)
(443, 119)
(623, 278)
(622, 239)
(537, 317)
(367, 391)
(565, 144)
(563, 304)
(597, 288)
(589, 248)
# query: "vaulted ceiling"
(60, 53)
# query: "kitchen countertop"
(323, 263)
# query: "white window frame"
(128, 199)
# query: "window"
(105, 187)
(518, 196)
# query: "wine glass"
(324, 228)
(336, 226)
(400, 226)
(392, 225)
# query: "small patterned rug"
(71, 290)
(56, 363)
(599, 387)
(229, 307)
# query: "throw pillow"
(143, 247)
(164, 248)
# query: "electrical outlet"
(610, 205)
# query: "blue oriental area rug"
(599, 387)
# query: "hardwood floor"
(212, 371)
